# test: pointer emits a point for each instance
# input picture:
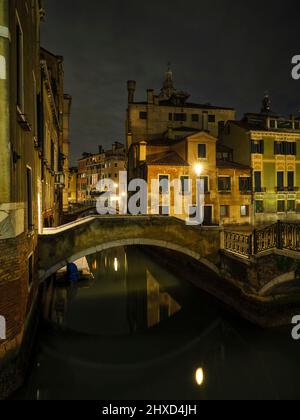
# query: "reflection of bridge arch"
(95, 234)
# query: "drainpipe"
(5, 155)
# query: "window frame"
(230, 184)
(198, 151)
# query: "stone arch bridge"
(68, 243)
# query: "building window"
(272, 123)
(116, 175)
(143, 115)
(195, 117)
(259, 206)
(257, 147)
(185, 184)
(244, 211)
(279, 148)
(224, 184)
(211, 118)
(291, 181)
(170, 117)
(180, 117)
(291, 148)
(291, 206)
(20, 65)
(280, 181)
(257, 182)
(245, 184)
(30, 271)
(224, 211)
(29, 199)
(206, 183)
(201, 151)
(280, 206)
(164, 184)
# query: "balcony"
(245, 192)
(225, 191)
(290, 189)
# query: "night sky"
(226, 52)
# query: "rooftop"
(166, 158)
(230, 165)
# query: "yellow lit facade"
(271, 146)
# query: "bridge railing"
(266, 239)
(290, 236)
(281, 235)
(238, 243)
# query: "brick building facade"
(27, 153)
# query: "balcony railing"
(286, 189)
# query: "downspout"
(5, 147)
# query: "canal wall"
(261, 274)
(16, 354)
(236, 295)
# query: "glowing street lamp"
(198, 169)
(199, 376)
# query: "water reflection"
(113, 297)
(135, 330)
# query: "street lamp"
(198, 169)
(199, 376)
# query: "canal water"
(131, 329)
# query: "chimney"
(131, 86)
(292, 118)
(205, 121)
(100, 149)
(150, 96)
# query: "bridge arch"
(44, 274)
(280, 280)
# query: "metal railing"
(238, 243)
(281, 235)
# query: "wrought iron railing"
(290, 236)
(281, 235)
(238, 243)
(265, 239)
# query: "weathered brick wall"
(15, 297)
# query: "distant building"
(270, 145)
(93, 168)
(169, 137)
(227, 184)
(73, 186)
(171, 109)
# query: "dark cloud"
(226, 52)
